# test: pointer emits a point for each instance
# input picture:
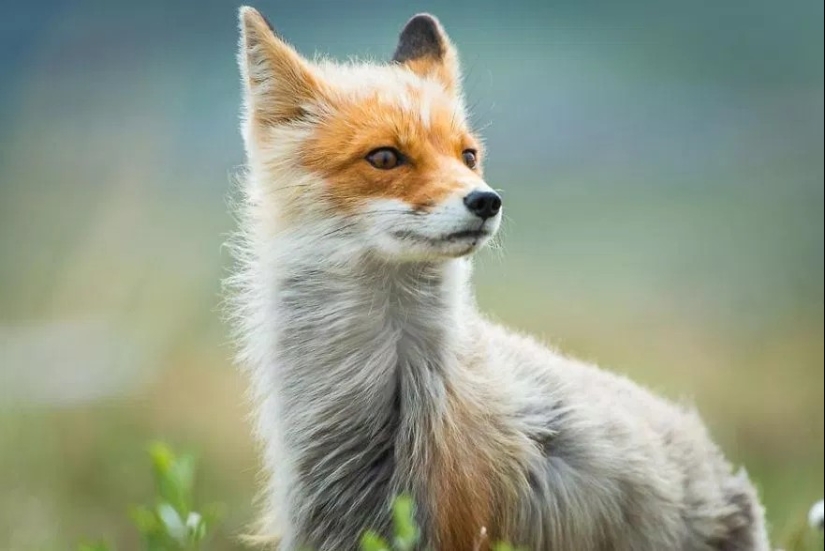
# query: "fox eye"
(385, 158)
(470, 157)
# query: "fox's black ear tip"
(423, 19)
(424, 27)
(421, 36)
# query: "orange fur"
(467, 478)
(433, 148)
(280, 80)
(444, 71)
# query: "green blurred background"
(662, 168)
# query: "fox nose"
(484, 204)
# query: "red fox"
(372, 372)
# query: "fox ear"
(278, 82)
(425, 49)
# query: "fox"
(371, 371)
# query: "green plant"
(406, 532)
(405, 529)
(172, 523)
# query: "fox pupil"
(384, 158)
(469, 157)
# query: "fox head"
(378, 154)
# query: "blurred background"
(662, 168)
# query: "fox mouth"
(464, 235)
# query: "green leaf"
(406, 529)
(195, 528)
(501, 546)
(371, 541)
(174, 476)
(162, 458)
(182, 474)
(173, 524)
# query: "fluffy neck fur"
(354, 364)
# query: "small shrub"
(172, 523)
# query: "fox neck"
(360, 363)
(350, 323)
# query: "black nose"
(484, 204)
